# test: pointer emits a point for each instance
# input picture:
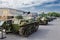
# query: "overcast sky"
(32, 5)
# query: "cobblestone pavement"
(45, 32)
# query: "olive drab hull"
(23, 30)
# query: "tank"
(50, 18)
(42, 20)
(22, 27)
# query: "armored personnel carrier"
(50, 18)
(22, 27)
(42, 20)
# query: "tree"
(55, 14)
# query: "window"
(9, 17)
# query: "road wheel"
(36, 28)
(21, 31)
(24, 31)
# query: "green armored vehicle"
(22, 27)
(50, 18)
(42, 20)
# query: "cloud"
(51, 5)
(22, 3)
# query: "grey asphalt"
(45, 32)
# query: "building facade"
(7, 13)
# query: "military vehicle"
(42, 20)
(50, 18)
(22, 27)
